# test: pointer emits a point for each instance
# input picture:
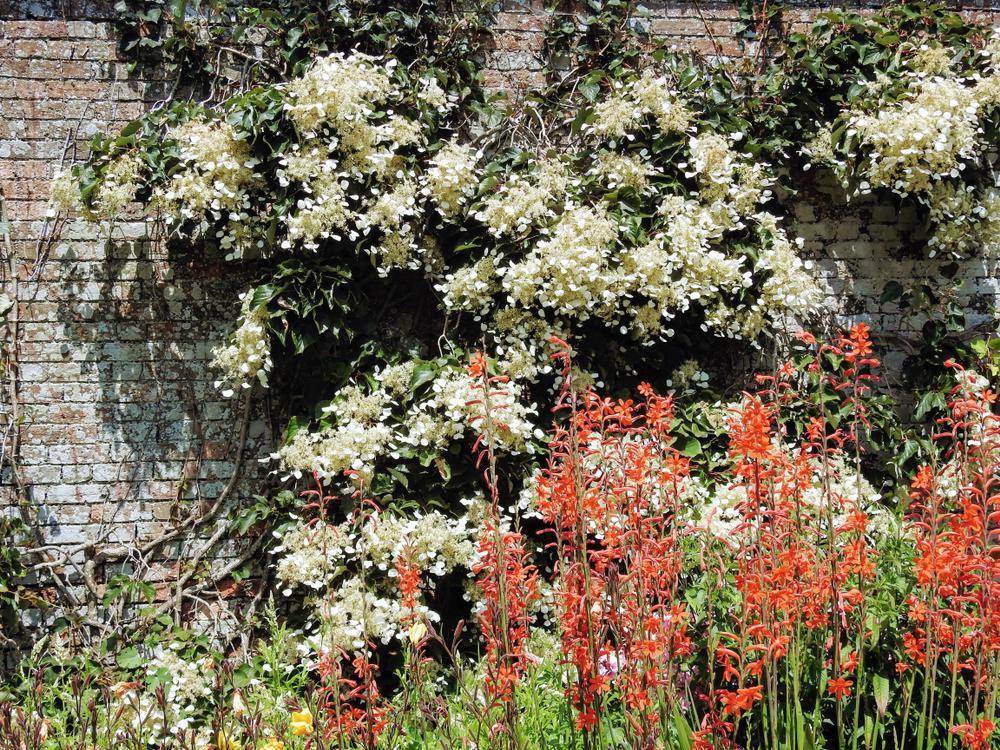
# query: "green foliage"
(14, 537)
(214, 47)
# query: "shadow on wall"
(860, 246)
(127, 436)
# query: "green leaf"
(684, 732)
(263, 294)
(129, 658)
(891, 292)
(692, 447)
(880, 688)
(422, 373)
(399, 476)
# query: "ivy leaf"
(930, 401)
(263, 294)
(399, 476)
(891, 292)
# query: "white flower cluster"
(688, 376)
(525, 200)
(352, 446)
(788, 285)
(991, 50)
(213, 182)
(569, 273)
(435, 543)
(836, 487)
(928, 136)
(583, 267)
(930, 59)
(629, 104)
(120, 181)
(186, 681)
(366, 604)
(64, 192)
(623, 170)
(471, 287)
(927, 144)
(964, 219)
(247, 358)
(322, 214)
(311, 555)
(119, 184)
(452, 178)
(354, 613)
(342, 92)
(456, 405)
(354, 181)
(367, 430)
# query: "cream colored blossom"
(657, 98)
(623, 170)
(569, 272)
(311, 555)
(119, 184)
(931, 59)
(713, 162)
(324, 213)
(819, 147)
(624, 108)
(616, 115)
(924, 138)
(525, 200)
(65, 191)
(455, 406)
(471, 287)
(213, 183)
(396, 379)
(351, 446)
(341, 91)
(431, 541)
(452, 178)
(247, 358)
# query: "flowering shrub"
(679, 568)
(922, 123)
(818, 614)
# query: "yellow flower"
(417, 632)
(302, 723)
(224, 742)
(272, 744)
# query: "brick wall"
(121, 428)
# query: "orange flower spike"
(408, 578)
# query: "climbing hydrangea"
(247, 358)
(354, 568)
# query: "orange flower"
(975, 737)
(742, 700)
(839, 688)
